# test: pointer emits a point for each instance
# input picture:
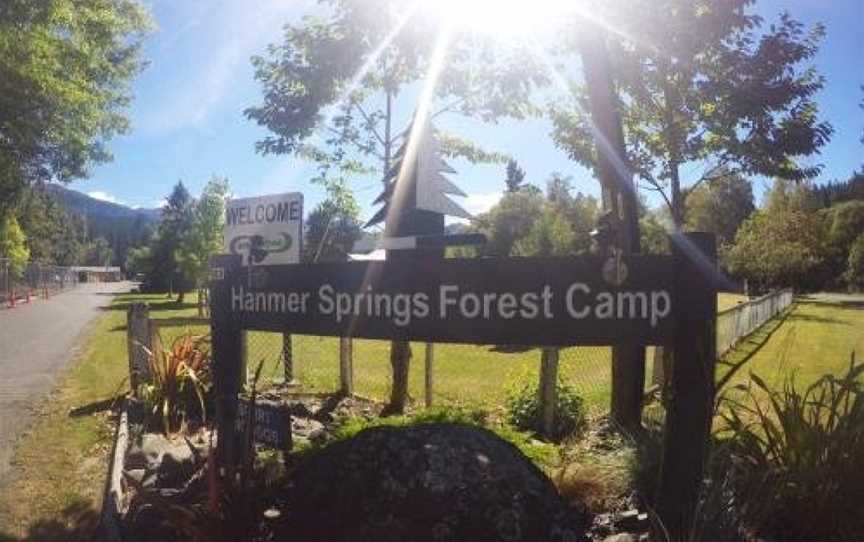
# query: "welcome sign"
(265, 230)
(549, 301)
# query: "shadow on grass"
(837, 303)
(168, 305)
(736, 358)
(77, 522)
(97, 406)
(817, 319)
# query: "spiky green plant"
(796, 457)
(180, 378)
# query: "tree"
(515, 176)
(340, 75)
(701, 86)
(64, 83)
(509, 220)
(177, 218)
(53, 235)
(333, 226)
(99, 253)
(204, 238)
(783, 244)
(13, 246)
(854, 274)
(720, 205)
(550, 235)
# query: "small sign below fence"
(272, 425)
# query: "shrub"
(180, 380)
(523, 409)
(794, 457)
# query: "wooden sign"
(272, 424)
(537, 301)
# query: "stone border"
(114, 498)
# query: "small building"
(98, 274)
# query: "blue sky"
(188, 123)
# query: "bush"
(794, 458)
(523, 409)
(180, 380)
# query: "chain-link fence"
(738, 322)
(35, 279)
(466, 374)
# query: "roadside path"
(37, 341)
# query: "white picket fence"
(740, 321)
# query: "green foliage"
(333, 226)
(783, 244)
(525, 223)
(720, 205)
(177, 219)
(550, 235)
(307, 85)
(523, 409)
(64, 83)
(515, 176)
(796, 467)
(539, 452)
(204, 237)
(704, 83)
(180, 381)
(54, 236)
(98, 253)
(13, 245)
(854, 274)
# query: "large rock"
(425, 482)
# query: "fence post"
(288, 359)
(244, 358)
(138, 337)
(689, 413)
(346, 366)
(547, 389)
(430, 373)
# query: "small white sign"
(265, 230)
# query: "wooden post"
(288, 359)
(430, 373)
(138, 337)
(346, 366)
(548, 390)
(691, 407)
(227, 344)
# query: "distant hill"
(122, 226)
(82, 204)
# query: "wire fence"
(463, 374)
(35, 279)
(740, 321)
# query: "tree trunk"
(628, 361)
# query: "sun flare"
(504, 17)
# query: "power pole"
(619, 204)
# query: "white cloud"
(480, 203)
(104, 196)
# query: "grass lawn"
(817, 337)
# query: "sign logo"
(265, 230)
